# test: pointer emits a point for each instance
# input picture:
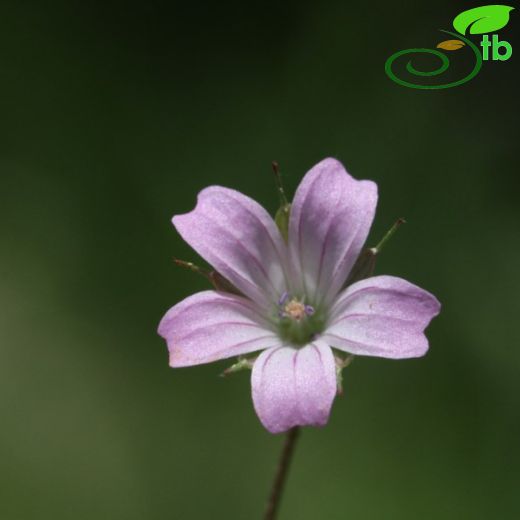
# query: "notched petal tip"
(235, 235)
(382, 316)
(331, 215)
(330, 164)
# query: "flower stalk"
(281, 473)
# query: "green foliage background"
(113, 116)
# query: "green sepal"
(221, 284)
(364, 266)
(282, 220)
(213, 277)
(243, 363)
(366, 263)
(341, 363)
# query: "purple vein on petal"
(217, 354)
(282, 256)
(341, 263)
(317, 351)
(196, 330)
(326, 241)
(371, 315)
(364, 346)
(300, 231)
(295, 385)
(236, 302)
(255, 260)
(267, 360)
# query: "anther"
(283, 298)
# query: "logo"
(478, 21)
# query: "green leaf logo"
(481, 20)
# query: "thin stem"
(281, 473)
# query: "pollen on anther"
(309, 310)
(295, 310)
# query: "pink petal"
(209, 326)
(294, 387)
(330, 218)
(382, 316)
(240, 240)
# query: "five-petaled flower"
(293, 304)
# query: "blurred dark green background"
(113, 116)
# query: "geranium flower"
(293, 304)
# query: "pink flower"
(294, 306)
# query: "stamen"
(309, 310)
(283, 298)
(294, 308)
(299, 323)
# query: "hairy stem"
(281, 474)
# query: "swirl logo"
(480, 20)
